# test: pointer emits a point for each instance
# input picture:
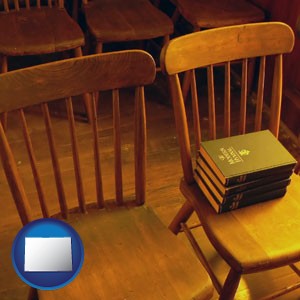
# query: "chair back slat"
(276, 97)
(96, 147)
(243, 108)
(227, 108)
(55, 162)
(211, 103)
(182, 132)
(260, 93)
(140, 146)
(117, 147)
(14, 179)
(224, 48)
(33, 164)
(196, 112)
(75, 154)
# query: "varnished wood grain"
(262, 236)
(128, 251)
(259, 237)
(88, 73)
(226, 44)
(118, 21)
(163, 194)
(212, 14)
(125, 259)
(53, 30)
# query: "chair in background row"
(262, 236)
(35, 30)
(125, 20)
(128, 251)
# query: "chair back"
(224, 46)
(75, 158)
(16, 5)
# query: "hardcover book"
(240, 196)
(232, 205)
(205, 171)
(243, 158)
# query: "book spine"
(256, 175)
(229, 206)
(244, 196)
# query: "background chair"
(128, 252)
(203, 14)
(262, 236)
(37, 29)
(123, 21)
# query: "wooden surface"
(129, 20)
(129, 254)
(38, 31)
(162, 191)
(86, 72)
(262, 236)
(241, 237)
(214, 13)
(226, 44)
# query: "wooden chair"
(203, 14)
(259, 237)
(37, 29)
(122, 21)
(128, 251)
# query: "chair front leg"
(230, 286)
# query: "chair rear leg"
(32, 294)
(230, 286)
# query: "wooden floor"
(163, 174)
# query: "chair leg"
(181, 217)
(4, 69)
(86, 96)
(32, 294)
(230, 286)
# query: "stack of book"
(243, 170)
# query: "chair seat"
(216, 13)
(38, 31)
(129, 20)
(257, 237)
(130, 254)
